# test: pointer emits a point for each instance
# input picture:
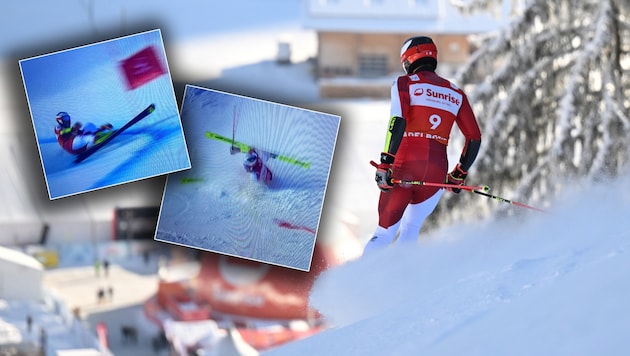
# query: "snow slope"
(538, 284)
(216, 206)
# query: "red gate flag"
(101, 331)
(142, 67)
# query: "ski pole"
(481, 190)
(471, 188)
(507, 201)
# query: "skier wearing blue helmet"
(254, 163)
(76, 138)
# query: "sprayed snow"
(488, 288)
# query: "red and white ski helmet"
(418, 51)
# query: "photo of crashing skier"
(255, 160)
(258, 178)
(104, 114)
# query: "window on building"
(417, 3)
(372, 65)
(373, 2)
(336, 71)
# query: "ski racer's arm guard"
(394, 136)
(467, 123)
(469, 154)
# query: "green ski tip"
(190, 180)
(102, 137)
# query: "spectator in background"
(29, 323)
(43, 338)
(106, 267)
(76, 311)
(100, 294)
(97, 268)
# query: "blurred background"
(548, 82)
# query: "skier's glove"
(456, 177)
(106, 127)
(383, 176)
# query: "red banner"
(142, 67)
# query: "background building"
(359, 40)
(20, 276)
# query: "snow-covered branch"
(551, 94)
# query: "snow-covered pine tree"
(552, 95)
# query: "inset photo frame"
(104, 114)
(259, 176)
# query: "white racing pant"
(408, 228)
(87, 139)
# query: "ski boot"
(103, 132)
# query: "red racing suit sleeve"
(467, 124)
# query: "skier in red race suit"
(254, 163)
(424, 107)
(77, 138)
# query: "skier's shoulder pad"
(395, 81)
(405, 78)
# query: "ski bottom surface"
(87, 153)
(245, 147)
